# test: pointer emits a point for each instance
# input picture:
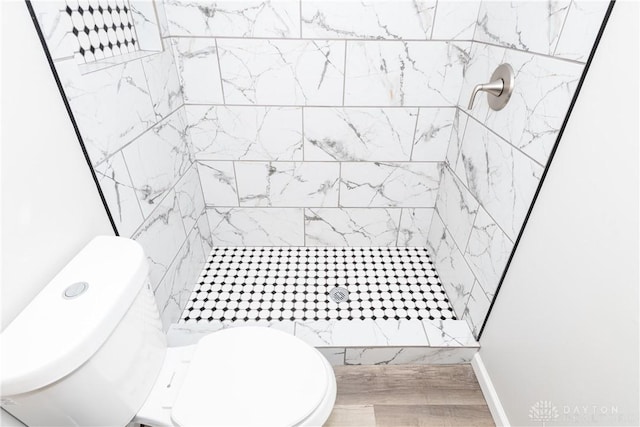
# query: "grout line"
(399, 226)
(133, 187)
(475, 27)
(564, 22)
(455, 175)
(219, 70)
(344, 73)
(173, 260)
(235, 178)
(304, 227)
(415, 132)
(426, 336)
(405, 107)
(164, 196)
(138, 136)
(455, 113)
(382, 162)
(509, 143)
(211, 206)
(157, 15)
(433, 22)
(461, 254)
(146, 80)
(374, 40)
(473, 224)
(528, 52)
(339, 183)
(302, 121)
(300, 16)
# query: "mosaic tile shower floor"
(293, 283)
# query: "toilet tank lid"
(56, 333)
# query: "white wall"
(565, 325)
(50, 205)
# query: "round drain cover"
(339, 294)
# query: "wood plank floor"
(408, 395)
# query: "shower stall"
(312, 165)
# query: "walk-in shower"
(312, 165)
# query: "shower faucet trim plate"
(499, 89)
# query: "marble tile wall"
(131, 115)
(289, 122)
(495, 159)
(310, 127)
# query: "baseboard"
(489, 392)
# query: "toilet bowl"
(246, 376)
(90, 350)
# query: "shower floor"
(243, 284)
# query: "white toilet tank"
(87, 350)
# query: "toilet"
(90, 350)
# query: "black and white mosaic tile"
(294, 283)
(102, 29)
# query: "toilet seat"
(242, 376)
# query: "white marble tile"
(197, 62)
(433, 132)
(455, 140)
(359, 133)
(409, 355)
(118, 191)
(542, 94)
(157, 159)
(163, 24)
(245, 132)
(411, 73)
(414, 226)
(164, 83)
(334, 355)
(56, 28)
(369, 19)
(389, 184)
(524, 25)
(233, 18)
(161, 236)
(361, 333)
(218, 183)
(455, 275)
(476, 309)
(256, 226)
(181, 334)
(204, 231)
(145, 21)
(190, 197)
(488, 251)
(449, 333)
(351, 227)
(282, 72)
(455, 20)
(180, 279)
(500, 177)
(106, 122)
(457, 207)
(312, 184)
(580, 29)
(483, 60)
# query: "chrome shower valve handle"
(499, 89)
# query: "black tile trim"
(546, 169)
(71, 116)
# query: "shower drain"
(339, 294)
